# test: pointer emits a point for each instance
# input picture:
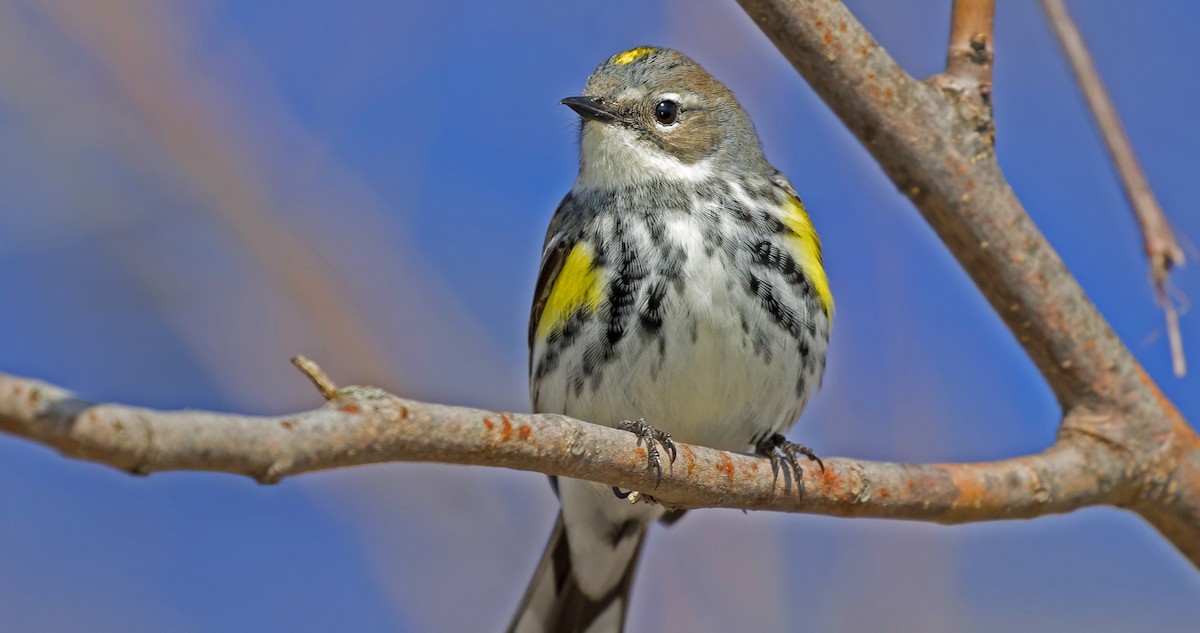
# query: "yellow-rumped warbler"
(681, 284)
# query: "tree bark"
(929, 141)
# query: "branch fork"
(1125, 437)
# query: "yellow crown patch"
(631, 55)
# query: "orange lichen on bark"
(505, 429)
(726, 466)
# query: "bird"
(681, 295)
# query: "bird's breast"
(695, 333)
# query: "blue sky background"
(192, 192)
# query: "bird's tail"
(555, 603)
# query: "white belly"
(707, 384)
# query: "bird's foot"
(650, 436)
(776, 447)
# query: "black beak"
(591, 108)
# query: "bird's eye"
(666, 112)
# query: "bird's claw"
(775, 446)
(651, 436)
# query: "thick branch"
(363, 426)
(1162, 250)
(944, 163)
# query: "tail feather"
(554, 602)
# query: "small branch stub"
(969, 57)
(314, 373)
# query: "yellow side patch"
(632, 55)
(806, 248)
(577, 287)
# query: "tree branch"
(938, 156)
(316, 376)
(1162, 250)
(968, 77)
(366, 425)
(969, 55)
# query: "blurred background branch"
(1162, 250)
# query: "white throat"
(613, 156)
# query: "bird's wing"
(554, 254)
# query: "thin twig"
(314, 372)
(1161, 248)
(967, 80)
(969, 55)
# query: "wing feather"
(554, 254)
